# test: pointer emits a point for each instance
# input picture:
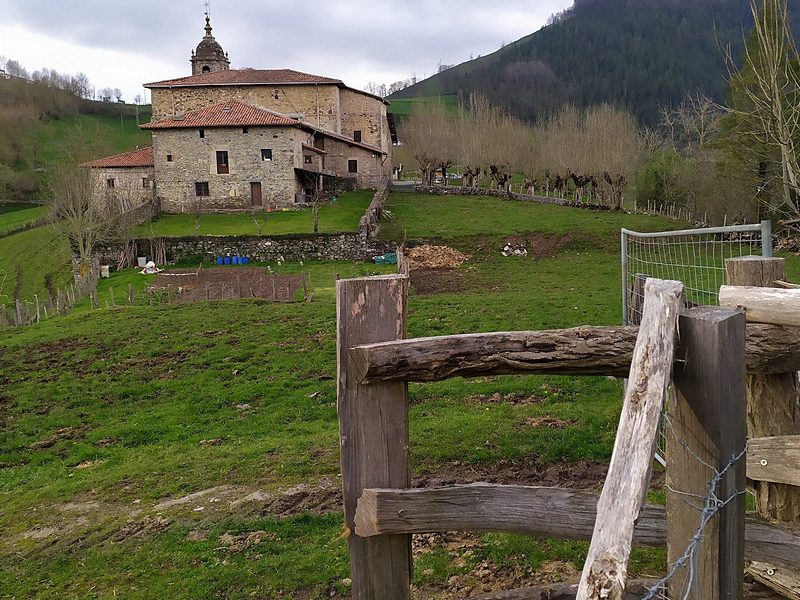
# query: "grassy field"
(17, 216)
(192, 451)
(33, 262)
(343, 216)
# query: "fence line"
(375, 364)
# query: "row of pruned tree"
(590, 153)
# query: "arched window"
(206, 69)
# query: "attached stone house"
(128, 178)
(232, 139)
(231, 156)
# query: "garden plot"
(188, 285)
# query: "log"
(774, 459)
(707, 435)
(783, 581)
(634, 591)
(373, 431)
(763, 305)
(576, 351)
(542, 512)
(606, 568)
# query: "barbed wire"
(709, 507)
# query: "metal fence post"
(766, 239)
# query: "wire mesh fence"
(695, 257)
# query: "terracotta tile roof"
(143, 157)
(225, 114)
(245, 77)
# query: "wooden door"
(255, 193)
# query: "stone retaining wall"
(369, 225)
(341, 246)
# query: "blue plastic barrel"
(245, 260)
(220, 260)
(235, 260)
(227, 260)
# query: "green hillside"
(638, 54)
(114, 411)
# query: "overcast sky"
(125, 43)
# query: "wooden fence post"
(131, 295)
(772, 400)
(38, 308)
(113, 301)
(373, 431)
(707, 422)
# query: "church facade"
(237, 139)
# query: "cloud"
(356, 40)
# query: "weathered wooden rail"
(375, 363)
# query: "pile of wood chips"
(434, 257)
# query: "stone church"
(236, 139)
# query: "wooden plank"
(707, 434)
(785, 582)
(634, 591)
(576, 351)
(763, 305)
(537, 511)
(542, 512)
(774, 459)
(773, 399)
(373, 431)
(606, 568)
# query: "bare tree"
(430, 134)
(765, 106)
(87, 217)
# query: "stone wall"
(369, 225)
(194, 160)
(133, 186)
(468, 191)
(372, 167)
(318, 104)
(341, 246)
(366, 114)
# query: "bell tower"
(209, 56)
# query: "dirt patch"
(434, 257)
(437, 281)
(539, 245)
(240, 543)
(550, 422)
(581, 474)
(143, 528)
(185, 285)
(62, 433)
(515, 398)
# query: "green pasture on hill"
(15, 216)
(403, 107)
(108, 413)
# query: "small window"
(352, 166)
(266, 154)
(307, 159)
(169, 157)
(206, 69)
(245, 130)
(222, 162)
(146, 183)
(357, 135)
(201, 188)
(202, 133)
(110, 183)
(319, 142)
